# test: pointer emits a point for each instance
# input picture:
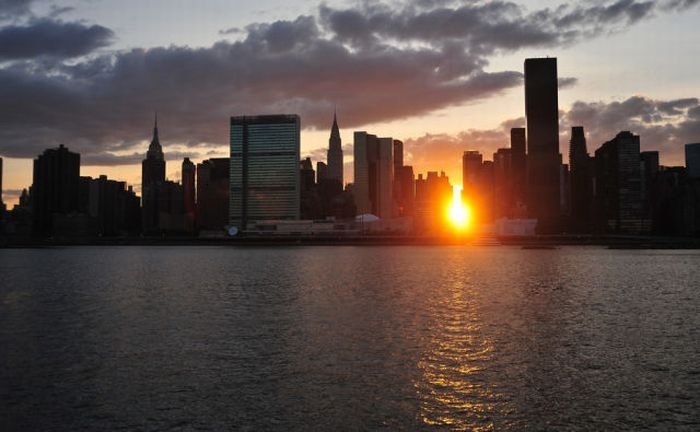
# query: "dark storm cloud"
(376, 62)
(489, 26)
(51, 38)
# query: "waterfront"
(349, 338)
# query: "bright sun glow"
(458, 212)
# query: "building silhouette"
(374, 166)
(111, 207)
(543, 160)
(321, 172)
(264, 169)
(398, 155)
(2, 204)
(618, 186)
(433, 196)
(581, 182)
(518, 164)
(650, 172)
(188, 189)
(152, 180)
(335, 153)
(471, 166)
(405, 190)
(692, 160)
(503, 203)
(55, 190)
(310, 200)
(472, 182)
(213, 192)
(171, 208)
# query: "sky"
(443, 76)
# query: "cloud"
(665, 126)
(567, 82)
(11, 194)
(10, 9)
(52, 39)
(111, 159)
(378, 62)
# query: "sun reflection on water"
(453, 391)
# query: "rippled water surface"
(349, 338)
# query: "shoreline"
(530, 242)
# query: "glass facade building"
(264, 169)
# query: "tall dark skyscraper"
(55, 188)
(335, 153)
(518, 163)
(264, 169)
(542, 115)
(581, 178)
(398, 156)
(398, 165)
(471, 167)
(189, 172)
(213, 193)
(188, 176)
(1, 202)
(503, 203)
(152, 178)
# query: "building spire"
(335, 153)
(155, 150)
(155, 130)
(335, 131)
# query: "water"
(349, 338)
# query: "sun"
(458, 213)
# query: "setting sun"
(458, 213)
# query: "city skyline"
(592, 91)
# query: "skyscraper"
(518, 163)
(692, 160)
(471, 166)
(189, 172)
(1, 202)
(398, 156)
(650, 171)
(152, 177)
(321, 172)
(433, 194)
(188, 176)
(406, 190)
(112, 208)
(213, 192)
(398, 166)
(503, 182)
(581, 179)
(374, 166)
(335, 153)
(55, 187)
(542, 116)
(264, 169)
(618, 194)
